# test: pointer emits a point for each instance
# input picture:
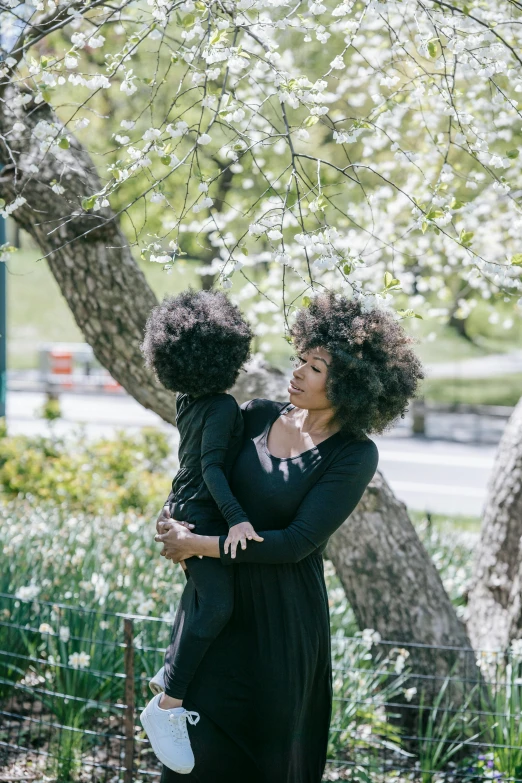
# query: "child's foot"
(168, 735)
(157, 684)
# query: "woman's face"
(307, 388)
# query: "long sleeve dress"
(263, 689)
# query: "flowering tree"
(362, 146)
(373, 146)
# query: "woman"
(263, 690)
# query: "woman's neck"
(319, 422)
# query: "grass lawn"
(497, 390)
(445, 523)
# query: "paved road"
(433, 475)
(480, 367)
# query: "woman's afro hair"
(373, 372)
(196, 342)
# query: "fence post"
(128, 636)
(418, 412)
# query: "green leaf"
(516, 260)
(409, 313)
(165, 159)
(2, 203)
(390, 281)
(244, 250)
(347, 268)
(64, 143)
(306, 301)
(188, 20)
(466, 237)
(88, 203)
(434, 213)
(432, 48)
(512, 154)
(456, 204)
(424, 226)
(311, 120)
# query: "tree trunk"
(494, 607)
(395, 589)
(102, 284)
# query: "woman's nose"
(298, 372)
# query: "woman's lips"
(293, 389)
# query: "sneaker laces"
(179, 723)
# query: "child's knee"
(218, 613)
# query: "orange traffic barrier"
(61, 363)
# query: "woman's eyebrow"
(320, 359)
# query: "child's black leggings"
(198, 622)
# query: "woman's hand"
(165, 521)
(177, 540)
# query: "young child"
(196, 343)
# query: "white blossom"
(151, 134)
(95, 41)
(64, 633)
(79, 660)
(179, 129)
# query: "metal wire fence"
(73, 681)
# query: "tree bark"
(395, 589)
(494, 604)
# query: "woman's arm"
(326, 506)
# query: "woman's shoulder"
(257, 412)
(362, 450)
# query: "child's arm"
(218, 428)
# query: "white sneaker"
(157, 684)
(168, 735)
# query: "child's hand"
(239, 534)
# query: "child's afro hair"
(373, 372)
(196, 342)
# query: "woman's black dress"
(263, 690)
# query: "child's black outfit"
(211, 434)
